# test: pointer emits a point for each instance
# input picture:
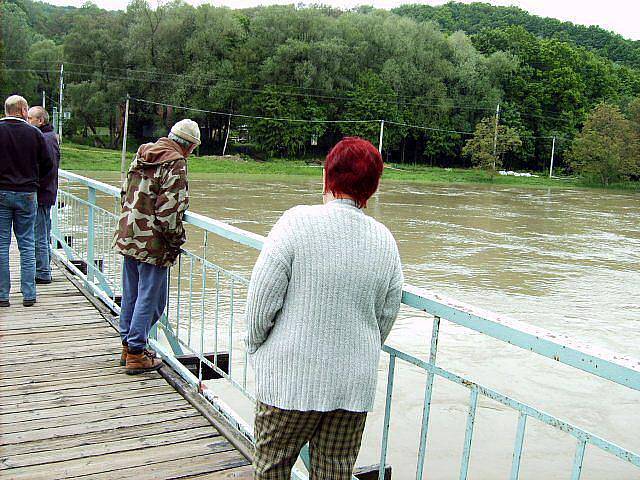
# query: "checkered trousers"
(334, 441)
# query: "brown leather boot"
(141, 362)
(123, 355)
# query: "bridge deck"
(68, 410)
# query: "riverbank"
(80, 157)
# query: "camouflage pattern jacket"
(154, 199)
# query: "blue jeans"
(43, 242)
(144, 297)
(18, 212)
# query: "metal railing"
(206, 300)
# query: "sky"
(620, 16)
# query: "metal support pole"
(91, 199)
(123, 160)
(60, 111)
(226, 138)
(553, 150)
(44, 103)
(381, 136)
(495, 137)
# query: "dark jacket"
(24, 157)
(154, 199)
(49, 183)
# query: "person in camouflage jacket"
(150, 234)
(154, 199)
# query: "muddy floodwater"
(565, 260)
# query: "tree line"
(433, 84)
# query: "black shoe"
(29, 303)
(4, 303)
(43, 281)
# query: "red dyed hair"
(353, 167)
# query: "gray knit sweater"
(323, 297)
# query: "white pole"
(226, 138)
(44, 103)
(123, 160)
(381, 136)
(495, 137)
(60, 111)
(553, 150)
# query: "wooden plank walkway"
(67, 409)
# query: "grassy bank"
(78, 157)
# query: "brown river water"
(566, 260)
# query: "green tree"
(17, 37)
(480, 148)
(605, 151)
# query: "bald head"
(16, 106)
(38, 116)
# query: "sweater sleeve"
(268, 285)
(392, 299)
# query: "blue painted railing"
(206, 299)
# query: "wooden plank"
(64, 401)
(94, 416)
(63, 303)
(99, 360)
(57, 338)
(23, 378)
(193, 458)
(28, 351)
(238, 473)
(51, 321)
(106, 466)
(85, 392)
(26, 315)
(97, 449)
(56, 385)
(55, 329)
(129, 431)
(52, 412)
(55, 356)
(57, 342)
(71, 430)
(47, 294)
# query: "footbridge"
(68, 411)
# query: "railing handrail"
(621, 369)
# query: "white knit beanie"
(187, 130)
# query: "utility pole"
(553, 150)
(226, 138)
(60, 112)
(381, 136)
(123, 159)
(495, 136)
(44, 104)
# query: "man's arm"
(171, 203)
(45, 162)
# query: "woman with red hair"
(323, 297)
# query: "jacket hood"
(46, 128)
(158, 153)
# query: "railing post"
(91, 235)
(468, 436)
(517, 451)
(426, 407)
(387, 417)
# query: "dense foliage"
(431, 84)
(607, 149)
(476, 17)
